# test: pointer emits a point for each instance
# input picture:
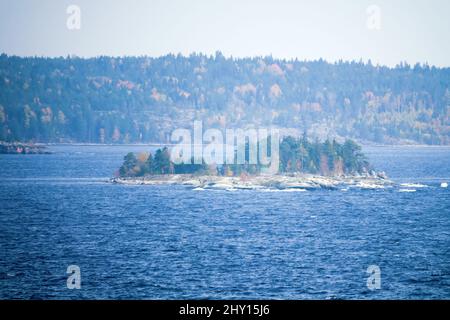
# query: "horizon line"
(365, 62)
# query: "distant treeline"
(142, 99)
(296, 155)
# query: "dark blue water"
(171, 242)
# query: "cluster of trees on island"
(295, 155)
(143, 99)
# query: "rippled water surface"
(172, 242)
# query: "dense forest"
(295, 155)
(142, 99)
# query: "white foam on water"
(365, 185)
(247, 187)
(284, 190)
(198, 189)
(414, 185)
(444, 185)
(407, 190)
(221, 186)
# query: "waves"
(283, 190)
(413, 185)
(409, 187)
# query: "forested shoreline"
(143, 99)
(329, 158)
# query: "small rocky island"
(22, 148)
(303, 165)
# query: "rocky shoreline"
(277, 182)
(22, 148)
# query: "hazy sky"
(412, 31)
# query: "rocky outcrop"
(22, 148)
(279, 182)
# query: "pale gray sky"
(412, 31)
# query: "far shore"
(294, 181)
(156, 144)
